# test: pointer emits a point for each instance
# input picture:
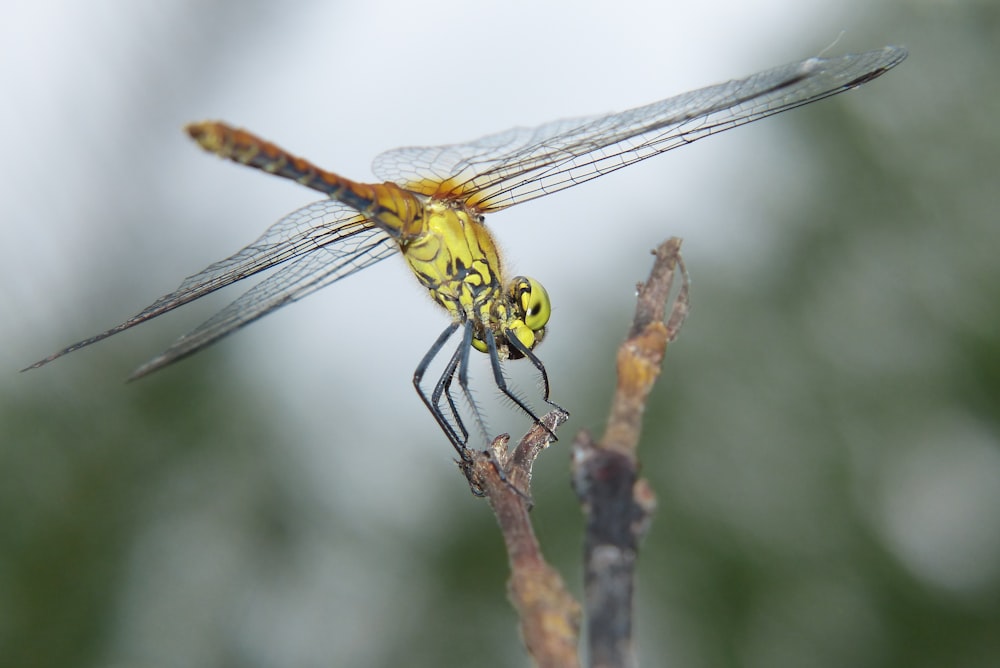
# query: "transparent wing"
(521, 164)
(299, 278)
(326, 238)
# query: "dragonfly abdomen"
(248, 149)
(394, 209)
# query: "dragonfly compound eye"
(531, 302)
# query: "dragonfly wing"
(324, 224)
(302, 276)
(524, 163)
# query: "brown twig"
(550, 617)
(617, 503)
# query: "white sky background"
(339, 83)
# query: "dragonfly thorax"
(454, 256)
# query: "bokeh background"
(824, 440)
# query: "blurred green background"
(824, 440)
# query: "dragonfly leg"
(459, 361)
(463, 382)
(537, 363)
(501, 382)
(433, 402)
(443, 388)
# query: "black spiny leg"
(537, 363)
(433, 405)
(443, 388)
(501, 382)
(463, 381)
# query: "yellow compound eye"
(531, 302)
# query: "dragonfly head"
(523, 315)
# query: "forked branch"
(605, 476)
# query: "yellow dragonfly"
(431, 206)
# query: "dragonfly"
(430, 208)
